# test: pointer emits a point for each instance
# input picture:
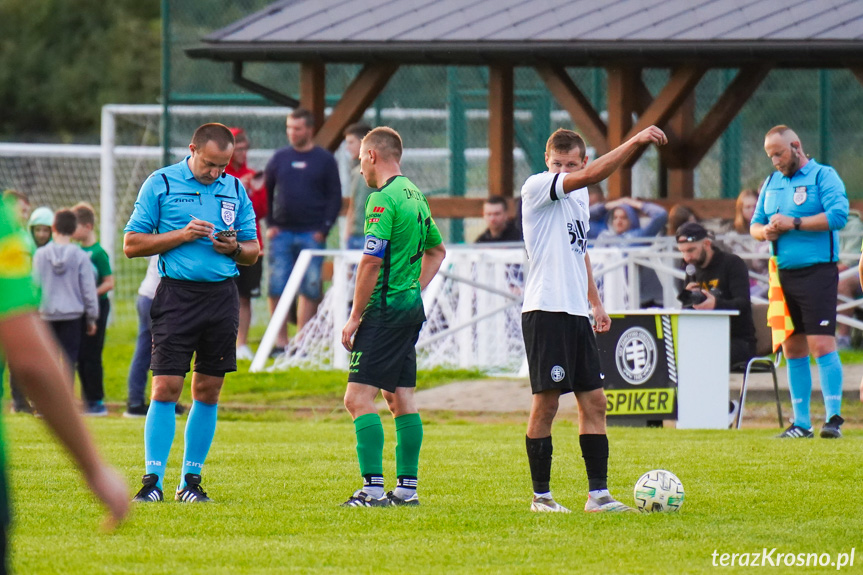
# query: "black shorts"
(561, 352)
(199, 318)
(249, 280)
(385, 357)
(811, 297)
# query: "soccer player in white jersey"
(559, 298)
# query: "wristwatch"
(797, 222)
(236, 253)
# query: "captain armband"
(375, 246)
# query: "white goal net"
(473, 311)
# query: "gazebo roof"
(655, 33)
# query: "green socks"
(370, 444)
(409, 433)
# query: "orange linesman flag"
(778, 317)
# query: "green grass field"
(277, 486)
(284, 459)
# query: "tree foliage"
(61, 60)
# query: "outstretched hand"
(652, 135)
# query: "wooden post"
(622, 93)
(681, 176)
(313, 90)
(500, 130)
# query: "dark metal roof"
(822, 33)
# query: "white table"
(702, 361)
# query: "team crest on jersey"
(229, 213)
(799, 195)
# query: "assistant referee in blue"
(801, 208)
(181, 214)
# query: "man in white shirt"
(559, 298)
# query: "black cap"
(690, 232)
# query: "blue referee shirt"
(167, 201)
(812, 190)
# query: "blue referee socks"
(830, 373)
(800, 386)
(200, 430)
(158, 436)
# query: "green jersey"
(101, 264)
(399, 213)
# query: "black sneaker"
(192, 492)
(796, 432)
(150, 492)
(398, 501)
(831, 428)
(362, 499)
(136, 410)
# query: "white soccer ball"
(658, 491)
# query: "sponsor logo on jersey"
(374, 220)
(183, 200)
(799, 195)
(299, 165)
(635, 355)
(14, 257)
(379, 210)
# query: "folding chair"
(762, 363)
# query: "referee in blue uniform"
(181, 215)
(801, 208)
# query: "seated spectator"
(597, 211)
(678, 215)
(717, 280)
(739, 241)
(500, 227)
(623, 222)
(720, 281)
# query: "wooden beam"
(313, 90)
(368, 84)
(567, 94)
(858, 73)
(680, 178)
(679, 87)
(500, 130)
(622, 82)
(723, 112)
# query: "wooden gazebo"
(688, 37)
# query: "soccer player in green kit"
(402, 253)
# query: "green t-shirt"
(399, 213)
(101, 263)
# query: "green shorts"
(385, 357)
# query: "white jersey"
(555, 236)
(152, 279)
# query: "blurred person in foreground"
(801, 208)
(33, 356)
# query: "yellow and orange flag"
(778, 317)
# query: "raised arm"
(604, 166)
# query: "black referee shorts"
(561, 352)
(385, 356)
(199, 318)
(810, 293)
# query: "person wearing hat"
(39, 224)
(717, 280)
